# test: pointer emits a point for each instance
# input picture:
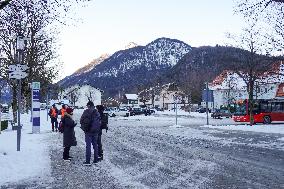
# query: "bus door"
(277, 113)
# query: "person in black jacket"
(91, 134)
(69, 138)
(104, 123)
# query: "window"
(276, 107)
(265, 107)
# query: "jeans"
(100, 146)
(91, 140)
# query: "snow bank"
(32, 160)
(272, 128)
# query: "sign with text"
(18, 71)
(36, 107)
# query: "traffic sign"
(17, 71)
(23, 67)
(15, 67)
(17, 75)
(35, 85)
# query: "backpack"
(86, 120)
(104, 121)
(96, 123)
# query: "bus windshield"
(241, 109)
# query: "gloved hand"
(106, 129)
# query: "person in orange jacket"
(63, 110)
(53, 114)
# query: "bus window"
(276, 107)
(241, 109)
(265, 106)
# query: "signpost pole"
(19, 117)
(47, 106)
(0, 118)
(36, 107)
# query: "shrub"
(4, 125)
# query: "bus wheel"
(266, 120)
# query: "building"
(78, 96)
(165, 97)
(229, 87)
(129, 100)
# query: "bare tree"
(34, 20)
(4, 3)
(265, 11)
(253, 63)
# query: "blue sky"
(107, 26)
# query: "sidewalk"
(32, 161)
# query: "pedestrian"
(90, 124)
(53, 114)
(104, 125)
(63, 110)
(69, 138)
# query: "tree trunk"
(251, 103)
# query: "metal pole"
(19, 117)
(207, 103)
(47, 106)
(31, 86)
(176, 109)
(0, 118)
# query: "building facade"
(78, 96)
(229, 87)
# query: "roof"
(229, 79)
(131, 96)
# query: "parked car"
(202, 110)
(221, 113)
(137, 111)
(121, 112)
(110, 112)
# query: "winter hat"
(90, 103)
(69, 110)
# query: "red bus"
(264, 111)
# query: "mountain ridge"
(129, 68)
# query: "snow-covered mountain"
(127, 69)
(91, 65)
(131, 45)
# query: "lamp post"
(175, 98)
(207, 118)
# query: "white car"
(110, 112)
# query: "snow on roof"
(131, 96)
(229, 79)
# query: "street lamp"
(207, 119)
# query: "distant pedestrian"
(63, 110)
(104, 125)
(53, 114)
(90, 124)
(69, 138)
